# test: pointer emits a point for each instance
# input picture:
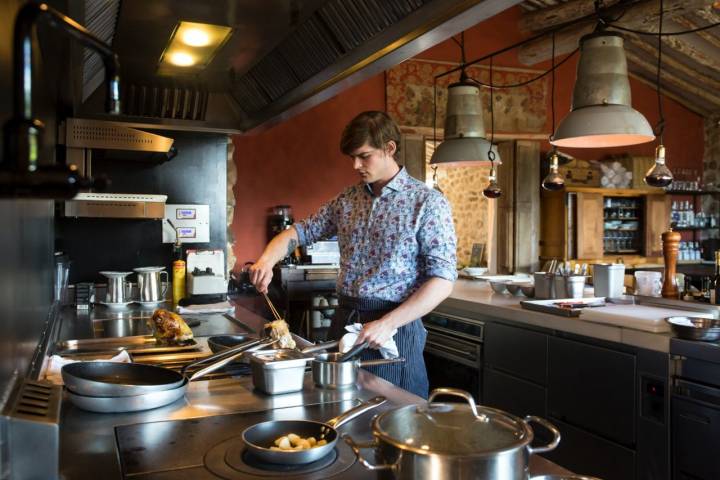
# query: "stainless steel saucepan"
(330, 372)
(260, 438)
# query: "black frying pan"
(112, 379)
(260, 437)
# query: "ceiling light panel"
(192, 47)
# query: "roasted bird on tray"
(170, 327)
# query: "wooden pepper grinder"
(671, 243)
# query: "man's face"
(374, 164)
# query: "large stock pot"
(451, 441)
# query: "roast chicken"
(280, 332)
(170, 327)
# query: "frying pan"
(260, 437)
(132, 403)
(112, 379)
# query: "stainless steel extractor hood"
(283, 57)
(81, 137)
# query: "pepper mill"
(671, 242)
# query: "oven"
(695, 411)
(453, 352)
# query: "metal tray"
(135, 344)
(548, 306)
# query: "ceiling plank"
(673, 85)
(559, 14)
(641, 16)
(650, 51)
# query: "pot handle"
(381, 361)
(556, 435)
(165, 285)
(458, 393)
(356, 411)
(356, 447)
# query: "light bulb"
(181, 59)
(493, 190)
(196, 37)
(659, 175)
(553, 181)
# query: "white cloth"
(53, 365)
(388, 350)
(220, 307)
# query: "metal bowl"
(499, 286)
(528, 290)
(219, 343)
(513, 288)
(695, 328)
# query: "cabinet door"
(593, 388)
(512, 394)
(589, 225)
(517, 351)
(657, 221)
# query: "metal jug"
(117, 287)
(150, 287)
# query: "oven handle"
(458, 351)
(707, 394)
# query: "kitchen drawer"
(513, 395)
(517, 351)
(593, 388)
(695, 439)
(586, 454)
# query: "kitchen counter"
(88, 440)
(476, 298)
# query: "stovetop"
(212, 447)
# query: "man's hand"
(377, 332)
(261, 274)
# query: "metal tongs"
(273, 310)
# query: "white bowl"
(474, 271)
(499, 286)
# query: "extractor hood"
(84, 138)
(283, 57)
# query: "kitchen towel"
(388, 350)
(221, 307)
(53, 365)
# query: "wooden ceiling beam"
(673, 85)
(640, 16)
(539, 20)
(648, 50)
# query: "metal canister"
(178, 280)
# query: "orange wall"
(299, 163)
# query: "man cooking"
(397, 250)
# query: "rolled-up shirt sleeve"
(437, 241)
(318, 226)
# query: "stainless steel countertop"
(87, 440)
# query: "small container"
(544, 286)
(178, 280)
(575, 285)
(561, 290)
(278, 371)
(609, 279)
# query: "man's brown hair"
(375, 128)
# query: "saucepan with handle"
(328, 371)
(260, 438)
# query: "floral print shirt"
(389, 244)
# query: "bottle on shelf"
(687, 294)
(715, 281)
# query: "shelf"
(621, 229)
(621, 207)
(690, 192)
(691, 229)
(615, 252)
(633, 219)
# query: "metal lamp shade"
(465, 143)
(602, 115)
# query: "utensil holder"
(544, 285)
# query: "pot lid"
(452, 428)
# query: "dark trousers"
(410, 340)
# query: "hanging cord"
(660, 127)
(552, 89)
(491, 154)
(667, 34)
(526, 82)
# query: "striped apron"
(410, 340)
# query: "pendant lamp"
(602, 115)
(465, 143)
